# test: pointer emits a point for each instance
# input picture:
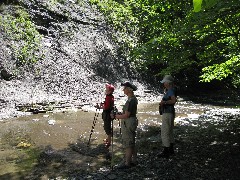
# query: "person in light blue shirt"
(168, 115)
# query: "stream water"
(60, 131)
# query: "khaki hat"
(167, 78)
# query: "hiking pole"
(112, 147)
(94, 123)
(119, 124)
(114, 111)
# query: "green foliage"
(29, 160)
(223, 70)
(172, 37)
(199, 4)
(219, 34)
(54, 2)
(122, 18)
(25, 39)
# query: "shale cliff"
(57, 50)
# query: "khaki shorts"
(129, 127)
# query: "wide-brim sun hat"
(167, 78)
(128, 84)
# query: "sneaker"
(164, 153)
(105, 141)
(107, 145)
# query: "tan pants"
(167, 129)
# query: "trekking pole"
(119, 124)
(93, 126)
(112, 148)
(115, 111)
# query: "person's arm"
(171, 101)
(123, 116)
(99, 106)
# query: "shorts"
(129, 127)
(107, 123)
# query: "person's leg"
(171, 125)
(128, 156)
(108, 129)
(109, 138)
(131, 155)
(165, 134)
(165, 129)
(128, 137)
(171, 149)
(134, 155)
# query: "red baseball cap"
(110, 87)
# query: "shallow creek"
(60, 131)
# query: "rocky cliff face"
(76, 54)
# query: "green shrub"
(24, 37)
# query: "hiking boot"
(171, 149)
(123, 166)
(106, 143)
(165, 153)
(133, 164)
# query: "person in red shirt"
(107, 107)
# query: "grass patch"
(29, 160)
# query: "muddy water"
(61, 129)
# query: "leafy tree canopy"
(196, 41)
